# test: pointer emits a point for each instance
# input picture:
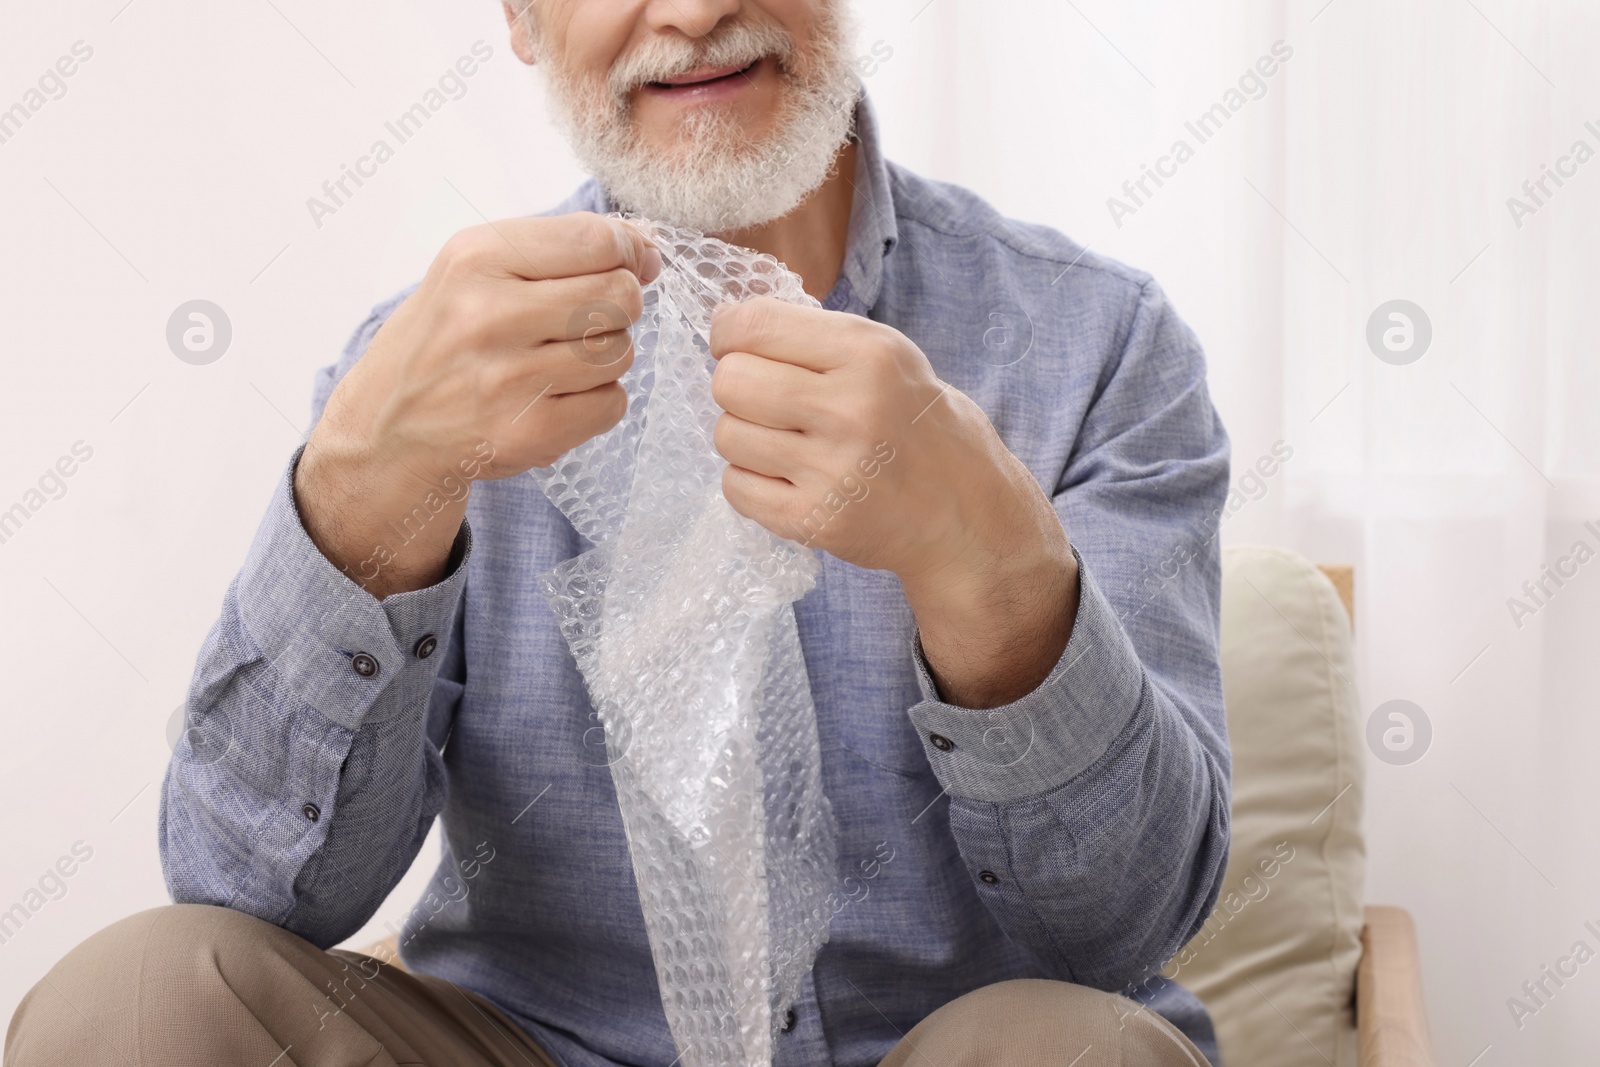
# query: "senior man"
(1020, 718)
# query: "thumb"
(645, 259)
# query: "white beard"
(718, 181)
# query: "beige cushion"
(1276, 961)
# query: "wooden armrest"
(1391, 1018)
(1343, 577)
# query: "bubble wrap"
(682, 622)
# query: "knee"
(121, 975)
(1030, 1020)
(158, 940)
(1025, 1004)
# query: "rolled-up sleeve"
(309, 620)
(1041, 741)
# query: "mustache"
(736, 45)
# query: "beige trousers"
(190, 985)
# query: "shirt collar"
(873, 230)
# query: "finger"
(564, 309)
(566, 367)
(649, 256)
(576, 417)
(603, 350)
(764, 391)
(761, 449)
(762, 498)
(804, 336)
(540, 248)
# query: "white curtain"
(1376, 165)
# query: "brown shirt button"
(311, 811)
(426, 646)
(988, 877)
(941, 742)
(363, 665)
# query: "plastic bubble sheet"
(681, 619)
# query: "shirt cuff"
(336, 646)
(1040, 741)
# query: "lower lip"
(708, 92)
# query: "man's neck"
(811, 239)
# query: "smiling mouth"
(701, 77)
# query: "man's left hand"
(838, 434)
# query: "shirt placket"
(801, 1042)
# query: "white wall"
(178, 164)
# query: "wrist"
(387, 527)
(995, 611)
(992, 520)
(992, 639)
(993, 597)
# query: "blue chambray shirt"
(1079, 833)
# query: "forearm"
(995, 618)
(387, 526)
(1093, 810)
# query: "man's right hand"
(505, 357)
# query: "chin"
(688, 149)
